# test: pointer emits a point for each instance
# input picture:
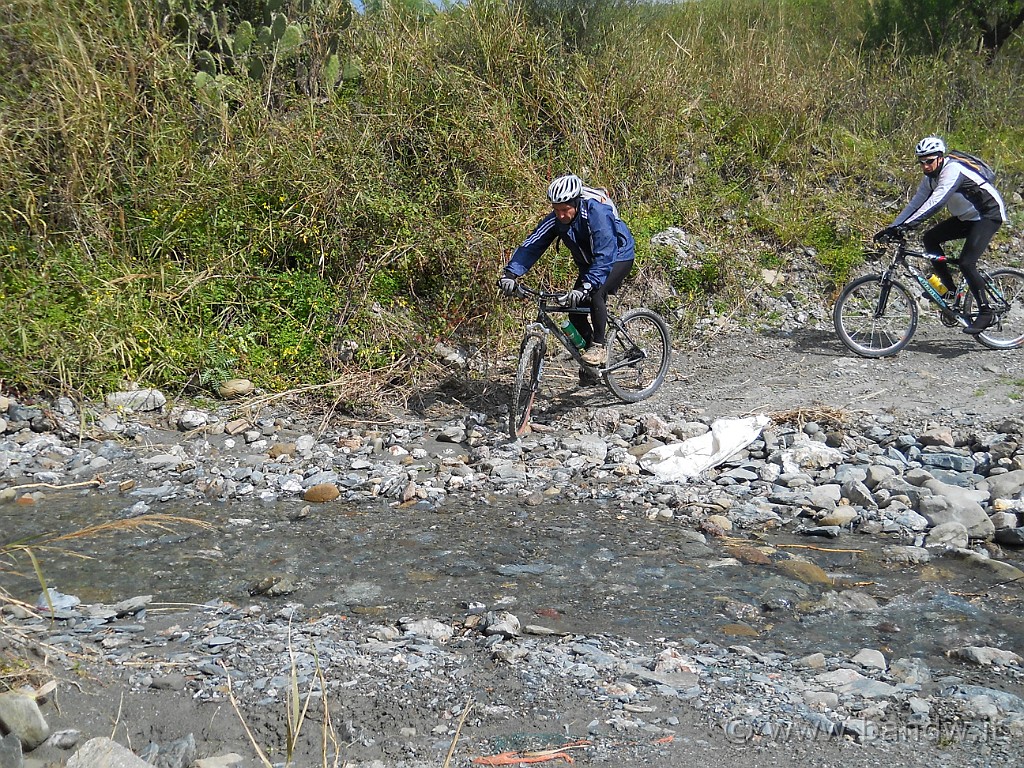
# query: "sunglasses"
(928, 160)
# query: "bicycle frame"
(638, 355)
(900, 263)
(548, 305)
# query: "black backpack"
(973, 162)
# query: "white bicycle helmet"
(565, 189)
(930, 145)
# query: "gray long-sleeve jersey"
(961, 189)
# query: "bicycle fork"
(883, 295)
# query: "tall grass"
(176, 235)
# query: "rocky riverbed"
(423, 591)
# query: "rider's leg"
(932, 239)
(599, 298)
(978, 238)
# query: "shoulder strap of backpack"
(973, 162)
(600, 194)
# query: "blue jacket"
(597, 238)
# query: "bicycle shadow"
(460, 393)
(825, 343)
(457, 396)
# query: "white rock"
(809, 454)
(105, 753)
(139, 400)
(503, 623)
(870, 659)
(189, 420)
(986, 656)
(429, 628)
(948, 535)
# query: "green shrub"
(368, 184)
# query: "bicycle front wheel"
(531, 361)
(1007, 287)
(639, 353)
(875, 318)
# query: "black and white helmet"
(930, 145)
(565, 189)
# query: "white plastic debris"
(685, 460)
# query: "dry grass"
(825, 416)
(296, 709)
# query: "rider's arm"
(924, 189)
(604, 244)
(946, 185)
(526, 255)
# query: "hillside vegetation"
(288, 190)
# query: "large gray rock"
(951, 535)
(591, 446)
(1010, 537)
(897, 486)
(952, 504)
(10, 752)
(937, 436)
(1005, 486)
(858, 494)
(138, 400)
(878, 473)
(986, 655)
(105, 753)
(948, 460)
(1004, 700)
(20, 715)
(1001, 570)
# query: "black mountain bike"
(638, 355)
(876, 315)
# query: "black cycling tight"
(977, 235)
(599, 304)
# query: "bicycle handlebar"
(526, 292)
(899, 237)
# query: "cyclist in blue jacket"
(976, 213)
(602, 247)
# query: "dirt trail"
(942, 373)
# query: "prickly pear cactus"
(243, 38)
(273, 41)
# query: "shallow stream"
(569, 567)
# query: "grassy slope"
(162, 233)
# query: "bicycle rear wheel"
(641, 340)
(1008, 331)
(875, 319)
(531, 361)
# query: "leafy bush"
(172, 213)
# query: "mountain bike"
(876, 315)
(639, 353)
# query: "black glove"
(576, 296)
(887, 234)
(507, 284)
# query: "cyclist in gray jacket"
(602, 247)
(976, 213)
